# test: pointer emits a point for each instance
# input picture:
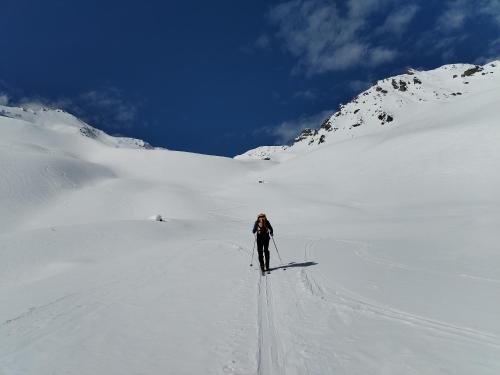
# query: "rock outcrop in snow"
(386, 102)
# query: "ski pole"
(253, 251)
(279, 256)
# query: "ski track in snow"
(362, 253)
(318, 307)
(270, 352)
(342, 297)
(47, 320)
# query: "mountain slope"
(60, 121)
(389, 240)
(391, 103)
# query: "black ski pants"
(263, 249)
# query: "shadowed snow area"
(389, 238)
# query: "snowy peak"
(262, 153)
(65, 123)
(389, 103)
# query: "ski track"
(322, 304)
(270, 359)
(363, 254)
(341, 297)
(53, 317)
(301, 354)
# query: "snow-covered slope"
(60, 121)
(389, 103)
(390, 242)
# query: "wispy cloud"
(37, 102)
(454, 16)
(105, 107)
(324, 36)
(109, 105)
(305, 94)
(359, 85)
(286, 131)
(263, 42)
(381, 55)
(333, 35)
(493, 53)
(4, 99)
(491, 8)
(457, 12)
(398, 20)
(452, 27)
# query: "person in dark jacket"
(262, 228)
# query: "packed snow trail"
(270, 353)
(156, 300)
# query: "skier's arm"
(268, 224)
(254, 228)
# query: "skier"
(263, 229)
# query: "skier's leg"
(266, 252)
(260, 250)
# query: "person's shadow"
(293, 264)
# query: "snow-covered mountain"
(388, 232)
(390, 103)
(60, 121)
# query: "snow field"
(390, 242)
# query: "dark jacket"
(264, 234)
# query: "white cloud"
(451, 27)
(335, 35)
(326, 37)
(343, 57)
(4, 99)
(453, 18)
(380, 55)
(288, 130)
(39, 102)
(110, 106)
(104, 107)
(397, 21)
(491, 8)
(457, 12)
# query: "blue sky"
(220, 77)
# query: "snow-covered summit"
(262, 153)
(389, 103)
(65, 123)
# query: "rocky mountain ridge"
(384, 104)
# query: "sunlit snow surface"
(390, 236)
